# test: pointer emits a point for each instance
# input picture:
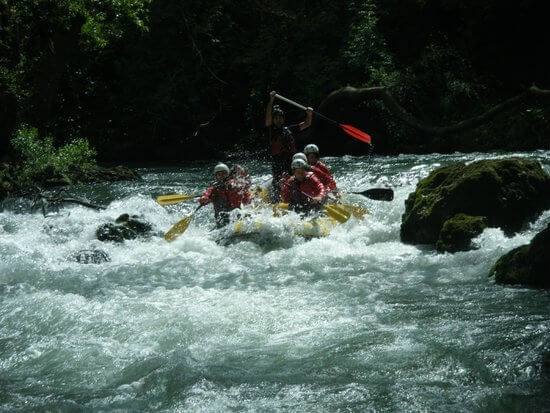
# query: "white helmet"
(298, 163)
(311, 148)
(221, 167)
(300, 155)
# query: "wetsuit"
(293, 193)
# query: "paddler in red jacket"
(312, 153)
(326, 178)
(228, 193)
(303, 191)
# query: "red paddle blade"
(356, 133)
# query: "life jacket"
(293, 191)
(281, 141)
(226, 195)
(325, 177)
(323, 167)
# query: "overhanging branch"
(395, 108)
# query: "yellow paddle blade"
(174, 199)
(280, 209)
(338, 213)
(178, 229)
(355, 210)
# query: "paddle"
(174, 199)
(377, 194)
(332, 211)
(180, 226)
(350, 130)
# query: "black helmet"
(277, 111)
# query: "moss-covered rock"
(528, 264)
(507, 192)
(458, 231)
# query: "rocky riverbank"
(14, 183)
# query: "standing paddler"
(281, 139)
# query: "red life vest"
(281, 141)
(325, 177)
(323, 167)
(310, 185)
(226, 196)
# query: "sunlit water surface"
(356, 321)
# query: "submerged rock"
(458, 231)
(528, 264)
(93, 256)
(124, 228)
(506, 192)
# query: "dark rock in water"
(458, 231)
(507, 192)
(93, 256)
(124, 228)
(528, 264)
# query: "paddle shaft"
(291, 102)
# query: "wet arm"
(309, 117)
(206, 198)
(268, 110)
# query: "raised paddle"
(377, 194)
(180, 226)
(350, 130)
(174, 199)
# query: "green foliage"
(366, 51)
(40, 156)
(145, 74)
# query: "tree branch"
(395, 108)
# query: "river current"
(356, 321)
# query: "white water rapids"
(356, 321)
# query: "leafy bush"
(40, 156)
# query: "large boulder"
(506, 192)
(528, 264)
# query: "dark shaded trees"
(177, 79)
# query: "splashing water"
(355, 321)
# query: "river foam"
(356, 321)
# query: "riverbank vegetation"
(149, 79)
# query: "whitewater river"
(356, 321)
